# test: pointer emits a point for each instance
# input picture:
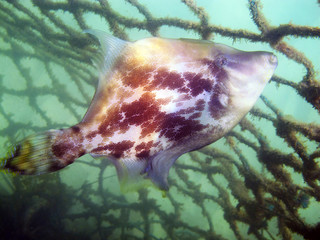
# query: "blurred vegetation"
(256, 194)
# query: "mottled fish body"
(156, 100)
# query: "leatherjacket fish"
(156, 99)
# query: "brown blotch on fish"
(61, 149)
(175, 127)
(134, 76)
(143, 149)
(165, 79)
(75, 129)
(217, 109)
(197, 84)
(117, 150)
(200, 104)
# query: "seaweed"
(244, 181)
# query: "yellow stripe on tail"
(33, 155)
(3, 161)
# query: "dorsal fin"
(111, 49)
(199, 41)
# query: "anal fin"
(135, 174)
(158, 168)
(130, 174)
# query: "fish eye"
(221, 61)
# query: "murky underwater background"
(261, 181)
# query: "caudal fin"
(33, 155)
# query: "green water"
(47, 81)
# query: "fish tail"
(33, 155)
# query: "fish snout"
(248, 73)
(249, 67)
(273, 60)
(267, 59)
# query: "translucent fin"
(33, 155)
(158, 169)
(130, 174)
(136, 174)
(199, 41)
(3, 161)
(111, 49)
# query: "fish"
(156, 100)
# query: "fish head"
(244, 76)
